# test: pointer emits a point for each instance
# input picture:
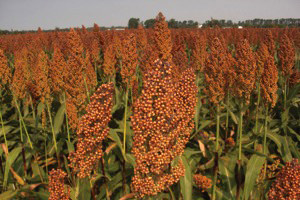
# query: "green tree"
(133, 22)
(149, 23)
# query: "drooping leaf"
(59, 119)
(253, 169)
(186, 181)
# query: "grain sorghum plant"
(245, 70)
(92, 130)
(109, 61)
(199, 53)
(56, 185)
(5, 71)
(40, 78)
(162, 39)
(21, 75)
(287, 183)
(162, 122)
(268, 81)
(129, 59)
(57, 70)
(269, 41)
(202, 182)
(214, 73)
(286, 55)
(74, 79)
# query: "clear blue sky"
(48, 14)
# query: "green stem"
(240, 133)
(21, 118)
(285, 94)
(21, 130)
(4, 134)
(197, 107)
(52, 128)
(227, 113)
(67, 121)
(32, 107)
(265, 140)
(216, 154)
(125, 120)
(257, 110)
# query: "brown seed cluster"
(245, 70)
(57, 187)
(162, 122)
(57, 70)
(129, 59)
(5, 72)
(262, 56)
(92, 130)
(199, 53)
(269, 41)
(40, 81)
(109, 61)
(287, 183)
(214, 72)
(286, 55)
(21, 75)
(202, 182)
(230, 142)
(74, 79)
(162, 38)
(268, 81)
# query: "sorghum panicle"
(57, 70)
(199, 53)
(129, 59)
(245, 70)
(109, 61)
(287, 183)
(56, 185)
(92, 130)
(286, 55)
(162, 122)
(202, 182)
(5, 71)
(268, 81)
(162, 38)
(214, 72)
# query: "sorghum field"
(150, 114)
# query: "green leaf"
(275, 138)
(204, 124)
(286, 153)
(8, 194)
(186, 181)
(12, 156)
(84, 189)
(40, 108)
(59, 119)
(116, 138)
(6, 129)
(233, 117)
(130, 159)
(227, 173)
(253, 169)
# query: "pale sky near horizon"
(48, 14)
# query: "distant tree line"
(260, 23)
(172, 23)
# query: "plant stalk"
(216, 154)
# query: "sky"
(49, 14)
